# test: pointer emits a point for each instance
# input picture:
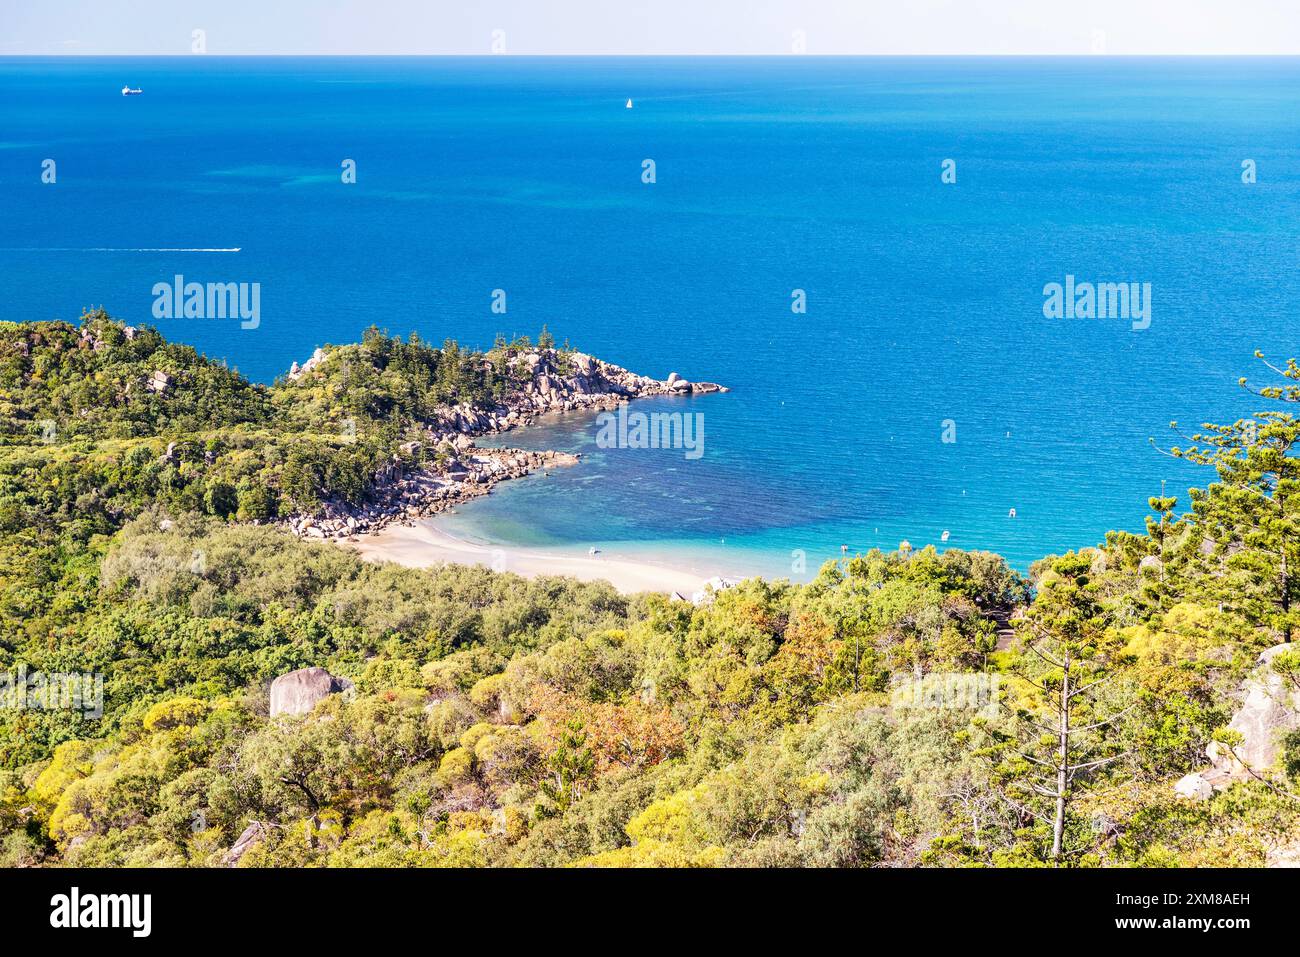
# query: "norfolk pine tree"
(1250, 518)
(1070, 652)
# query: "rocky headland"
(453, 469)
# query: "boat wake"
(122, 249)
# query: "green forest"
(913, 708)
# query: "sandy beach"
(422, 545)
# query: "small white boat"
(629, 104)
(127, 91)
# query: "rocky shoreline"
(547, 382)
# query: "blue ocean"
(922, 390)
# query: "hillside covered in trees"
(905, 709)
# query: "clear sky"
(90, 27)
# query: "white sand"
(422, 545)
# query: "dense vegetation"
(499, 721)
(99, 421)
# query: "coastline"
(445, 467)
(422, 544)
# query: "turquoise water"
(924, 298)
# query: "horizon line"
(650, 56)
(645, 56)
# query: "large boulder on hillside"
(1286, 856)
(299, 691)
(1194, 787)
(1271, 708)
(1150, 565)
(252, 834)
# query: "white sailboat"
(127, 91)
(629, 104)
